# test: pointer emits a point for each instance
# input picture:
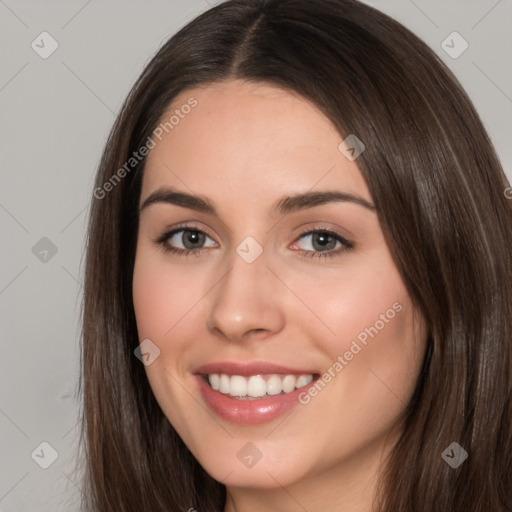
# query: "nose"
(246, 303)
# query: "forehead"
(250, 141)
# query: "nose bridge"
(245, 299)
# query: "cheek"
(366, 326)
(163, 297)
(164, 301)
(356, 299)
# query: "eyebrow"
(282, 206)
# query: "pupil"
(192, 238)
(323, 241)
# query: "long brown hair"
(438, 188)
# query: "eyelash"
(346, 244)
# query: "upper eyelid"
(186, 227)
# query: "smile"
(255, 387)
(252, 393)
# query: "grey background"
(55, 116)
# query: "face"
(242, 282)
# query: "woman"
(298, 276)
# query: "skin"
(285, 307)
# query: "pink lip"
(250, 412)
(247, 369)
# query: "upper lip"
(252, 368)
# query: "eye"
(322, 243)
(184, 240)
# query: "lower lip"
(251, 412)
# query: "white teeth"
(237, 386)
(215, 381)
(289, 383)
(224, 384)
(274, 385)
(257, 386)
(303, 380)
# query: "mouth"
(257, 387)
(252, 393)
